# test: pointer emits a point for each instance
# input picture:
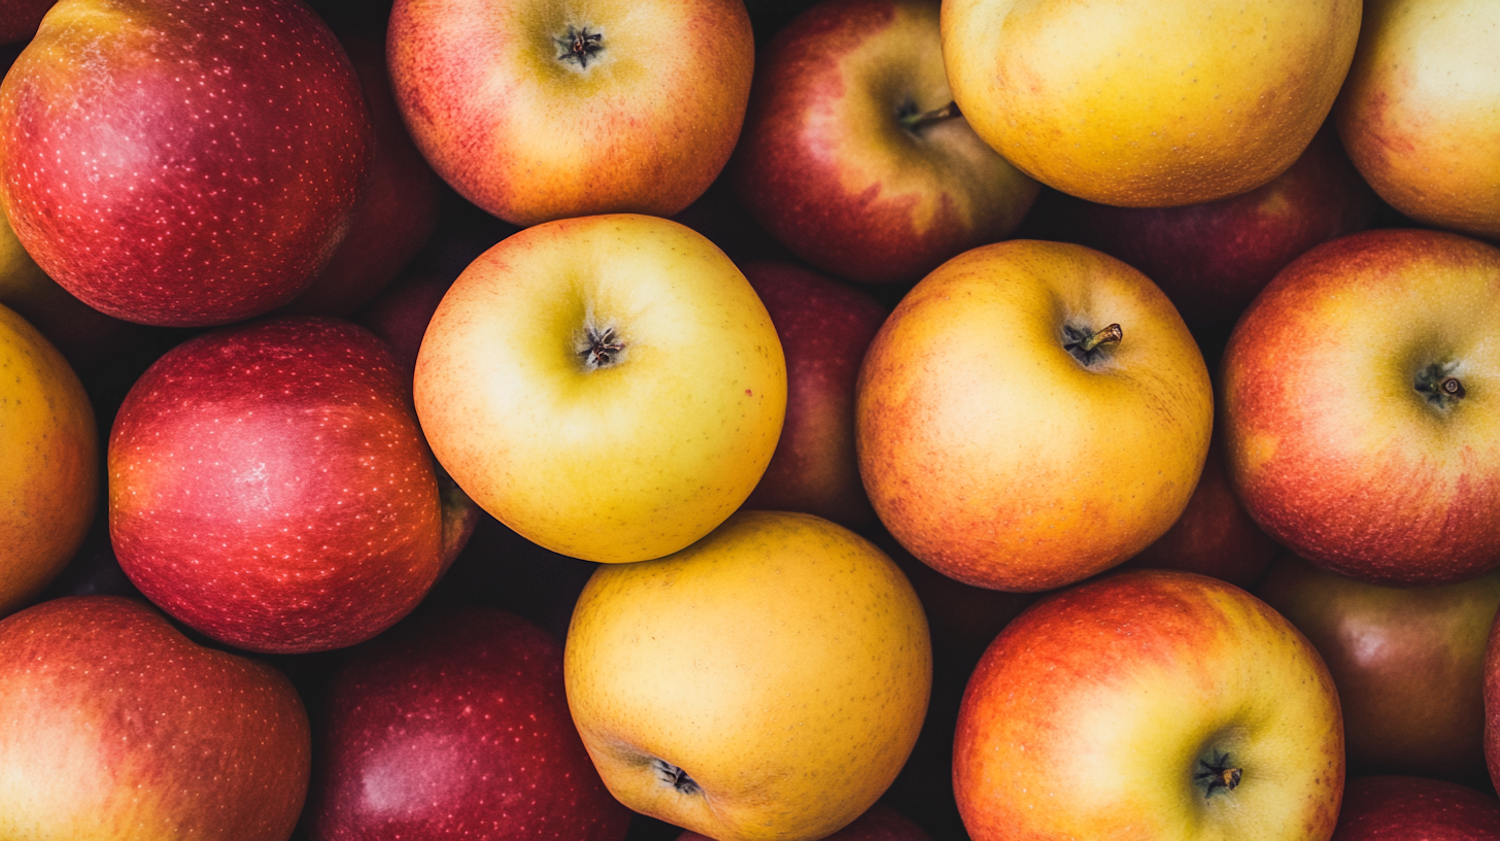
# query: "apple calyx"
(674, 776)
(1216, 774)
(1439, 386)
(1087, 345)
(600, 347)
(579, 45)
(914, 120)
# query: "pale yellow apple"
(1149, 103)
(49, 462)
(610, 387)
(768, 682)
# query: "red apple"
(455, 725)
(176, 163)
(269, 486)
(1360, 422)
(880, 823)
(824, 328)
(119, 728)
(1408, 664)
(1416, 809)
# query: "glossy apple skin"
(824, 327)
(182, 184)
(1400, 808)
(1408, 664)
(269, 486)
(1090, 713)
(1149, 103)
(880, 823)
(1332, 449)
(998, 458)
(643, 129)
(455, 725)
(121, 729)
(826, 165)
(1417, 115)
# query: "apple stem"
(1452, 387)
(1108, 335)
(1218, 774)
(600, 348)
(916, 122)
(674, 776)
(1438, 386)
(579, 45)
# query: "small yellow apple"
(768, 682)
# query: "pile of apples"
(749, 419)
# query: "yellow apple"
(49, 462)
(768, 682)
(1149, 103)
(610, 387)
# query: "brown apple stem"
(1218, 774)
(917, 122)
(1452, 387)
(1108, 335)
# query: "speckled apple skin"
(1416, 809)
(182, 162)
(119, 728)
(269, 486)
(455, 725)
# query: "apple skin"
(1332, 448)
(826, 164)
(1408, 664)
(1092, 712)
(203, 212)
(997, 457)
(881, 823)
(767, 682)
(643, 128)
(119, 728)
(1398, 808)
(269, 487)
(1417, 111)
(824, 328)
(456, 725)
(49, 462)
(1148, 103)
(627, 461)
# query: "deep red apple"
(880, 823)
(270, 487)
(119, 728)
(824, 327)
(1415, 809)
(399, 315)
(455, 725)
(1408, 664)
(179, 163)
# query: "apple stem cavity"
(579, 45)
(1439, 386)
(600, 347)
(1085, 345)
(1217, 774)
(914, 120)
(674, 776)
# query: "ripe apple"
(175, 163)
(825, 328)
(1394, 808)
(609, 386)
(1408, 664)
(455, 725)
(1149, 103)
(1031, 414)
(538, 110)
(1417, 112)
(881, 823)
(1150, 704)
(269, 487)
(49, 462)
(848, 158)
(119, 728)
(767, 682)
(1360, 425)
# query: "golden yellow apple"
(767, 682)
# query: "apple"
(848, 158)
(119, 728)
(1417, 112)
(610, 387)
(824, 328)
(537, 110)
(766, 682)
(1396, 808)
(1408, 664)
(269, 487)
(1149, 103)
(1150, 704)
(881, 823)
(455, 725)
(49, 462)
(173, 163)
(1031, 414)
(1359, 422)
